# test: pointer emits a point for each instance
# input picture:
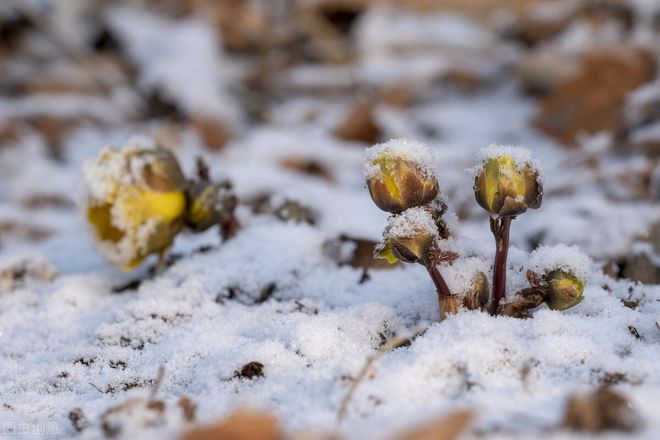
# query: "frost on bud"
(474, 297)
(558, 273)
(467, 280)
(408, 236)
(135, 202)
(564, 290)
(399, 175)
(507, 181)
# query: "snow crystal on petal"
(415, 152)
(410, 222)
(521, 156)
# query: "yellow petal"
(385, 253)
(137, 205)
(100, 218)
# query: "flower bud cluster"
(137, 200)
(507, 182)
(402, 181)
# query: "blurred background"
(282, 96)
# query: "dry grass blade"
(392, 344)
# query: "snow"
(521, 157)
(179, 58)
(461, 274)
(411, 151)
(568, 258)
(410, 222)
(200, 321)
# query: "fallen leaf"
(593, 100)
(309, 167)
(241, 425)
(359, 124)
(212, 133)
(601, 410)
(448, 427)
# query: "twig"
(202, 169)
(390, 345)
(157, 383)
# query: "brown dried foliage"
(593, 100)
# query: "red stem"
(441, 286)
(501, 231)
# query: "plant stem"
(440, 285)
(500, 228)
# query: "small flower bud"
(507, 182)
(476, 297)
(408, 236)
(399, 175)
(559, 273)
(135, 202)
(466, 279)
(209, 204)
(564, 290)
(412, 249)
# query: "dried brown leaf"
(593, 100)
(603, 409)
(241, 425)
(213, 133)
(359, 124)
(188, 409)
(309, 167)
(447, 427)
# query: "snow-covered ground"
(275, 295)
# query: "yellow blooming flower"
(135, 202)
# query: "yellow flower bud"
(209, 204)
(399, 177)
(384, 251)
(412, 249)
(505, 184)
(408, 236)
(407, 249)
(135, 202)
(477, 297)
(564, 290)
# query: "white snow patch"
(179, 58)
(410, 222)
(521, 156)
(461, 274)
(561, 256)
(412, 151)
